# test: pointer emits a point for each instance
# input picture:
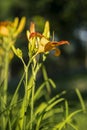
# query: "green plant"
(28, 113)
(8, 35)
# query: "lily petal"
(57, 52)
(50, 45)
(4, 31)
(6, 23)
(44, 41)
(60, 43)
(32, 27)
(35, 34)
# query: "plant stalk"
(5, 86)
(26, 93)
(6, 69)
(32, 97)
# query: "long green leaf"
(81, 100)
(67, 120)
(49, 106)
(45, 76)
(16, 92)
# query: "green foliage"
(35, 110)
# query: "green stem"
(6, 76)
(4, 96)
(32, 97)
(26, 93)
(22, 123)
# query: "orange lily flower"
(14, 28)
(3, 28)
(44, 44)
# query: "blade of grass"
(52, 83)
(46, 78)
(14, 96)
(67, 120)
(81, 100)
(73, 126)
(41, 87)
(49, 106)
(54, 103)
(66, 109)
(56, 97)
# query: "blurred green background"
(68, 21)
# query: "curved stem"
(31, 59)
